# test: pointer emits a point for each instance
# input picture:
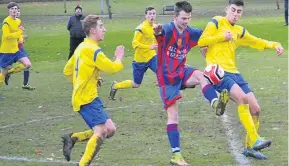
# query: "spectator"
(74, 26)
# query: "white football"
(214, 74)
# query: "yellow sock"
(18, 68)
(247, 121)
(2, 78)
(82, 136)
(123, 85)
(256, 124)
(92, 147)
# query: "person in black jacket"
(74, 26)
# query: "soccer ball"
(214, 74)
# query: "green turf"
(141, 138)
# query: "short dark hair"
(236, 2)
(182, 6)
(149, 9)
(12, 4)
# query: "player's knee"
(110, 131)
(242, 99)
(28, 65)
(255, 109)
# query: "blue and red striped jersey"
(173, 48)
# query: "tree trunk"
(108, 8)
(64, 1)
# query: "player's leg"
(72, 46)
(6, 60)
(26, 85)
(24, 63)
(110, 128)
(255, 113)
(139, 70)
(195, 77)
(237, 94)
(174, 135)
(93, 145)
(71, 138)
(153, 64)
(95, 117)
(3, 74)
(98, 120)
(169, 95)
(26, 74)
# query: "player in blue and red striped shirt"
(175, 39)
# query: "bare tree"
(109, 9)
(64, 1)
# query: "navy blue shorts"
(139, 69)
(24, 52)
(171, 93)
(93, 113)
(7, 59)
(230, 79)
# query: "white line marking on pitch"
(33, 160)
(62, 116)
(35, 121)
(234, 141)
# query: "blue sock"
(26, 76)
(210, 93)
(174, 137)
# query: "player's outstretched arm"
(8, 35)
(211, 36)
(108, 66)
(246, 39)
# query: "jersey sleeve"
(68, 69)
(138, 34)
(211, 35)
(104, 64)
(246, 39)
(195, 34)
(7, 34)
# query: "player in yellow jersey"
(26, 72)
(144, 45)
(83, 68)
(222, 36)
(12, 31)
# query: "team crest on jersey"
(179, 42)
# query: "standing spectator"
(74, 26)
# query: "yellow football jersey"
(222, 52)
(143, 39)
(10, 35)
(83, 69)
